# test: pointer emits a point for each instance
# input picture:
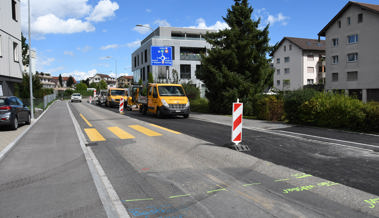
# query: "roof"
(64, 78)
(103, 75)
(304, 44)
(126, 77)
(370, 7)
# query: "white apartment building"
(298, 62)
(98, 77)
(10, 46)
(186, 43)
(352, 51)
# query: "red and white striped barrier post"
(121, 109)
(94, 93)
(90, 99)
(237, 122)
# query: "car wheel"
(158, 113)
(27, 122)
(186, 115)
(14, 124)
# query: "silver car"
(76, 97)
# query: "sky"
(85, 37)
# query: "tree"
(150, 78)
(25, 51)
(191, 90)
(60, 80)
(236, 66)
(81, 87)
(101, 85)
(23, 90)
(70, 81)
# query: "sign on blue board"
(161, 56)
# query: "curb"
(10, 146)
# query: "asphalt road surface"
(175, 167)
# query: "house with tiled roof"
(352, 51)
(124, 81)
(108, 79)
(298, 62)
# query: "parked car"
(76, 97)
(13, 111)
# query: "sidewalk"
(8, 136)
(46, 174)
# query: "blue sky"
(72, 37)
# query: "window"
(310, 58)
(352, 57)
(141, 57)
(335, 42)
(339, 24)
(290, 47)
(310, 81)
(310, 69)
(360, 18)
(278, 72)
(15, 52)
(148, 69)
(320, 69)
(335, 59)
(185, 71)
(135, 61)
(285, 48)
(348, 21)
(334, 77)
(173, 52)
(278, 60)
(277, 82)
(352, 76)
(14, 9)
(352, 38)
(286, 59)
(286, 70)
(145, 55)
(286, 83)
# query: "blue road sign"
(161, 56)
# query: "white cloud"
(68, 53)
(78, 75)
(145, 28)
(103, 10)
(54, 70)
(46, 62)
(148, 10)
(134, 44)
(162, 23)
(267, 18)
(85, 49)
(52, 24)
(201, 24)
(106, 47)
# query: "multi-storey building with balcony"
(352, 51)
(187, 45)
(10, 46)
(298, 62)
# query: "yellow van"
(165, 99)
(114, 95)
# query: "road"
(174, 167)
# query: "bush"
(371, 123)
(68, 92)
(293, 100)
(200, 105)
(191, 90)
(269, 107)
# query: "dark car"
(13, 112)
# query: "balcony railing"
(190, 57)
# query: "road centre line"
(144, 130)
(120, 133)
(94, 135)
(168, 130)
(85, 120)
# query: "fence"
(47, 99)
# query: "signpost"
(161, 56)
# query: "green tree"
(191, 90)
(70, 81)
(23, 88)
(101, 85)
(236, 66)
(60, 80)
(150, 78)
(81, 87)
(25, 51)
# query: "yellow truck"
(164, 100)
(114, 95)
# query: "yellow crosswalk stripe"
(94, 135)
(168, 130)
(120, 133)
(85, 120)
(144, 130)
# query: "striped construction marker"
(90, 99)
(121, 109)
(237, 122)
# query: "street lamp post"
(115, 66)
(30, 66)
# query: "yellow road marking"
(168, 130)
(94, 135)
(120, 133)
(88, 123)
(144, 130)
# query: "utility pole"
(30, 66)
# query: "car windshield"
(76, 94)
(170, 91)
(118, 92)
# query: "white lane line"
(10, 146)
(108, 196)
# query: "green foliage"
(60, 80)
(101, 85)
(236, 66)
(191, 90)
(200, 105)
(269, 107)
(25, 51)
(371, 123)
(68, 92)
(70, 81)
(82, 89)
(23, 88)
(293, 100)
(150, 78)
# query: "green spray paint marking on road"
(217, 190)
(372, 202)
(252, 184)
(178, 196)
(281, 180)
(309, 187)
(143, 199)
(301, 175)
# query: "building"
(10, 46)
(55, 79)
(298, 62)
(186, 43)
(124, 81)
(98, 77)
(352, 51)
(46, 80)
